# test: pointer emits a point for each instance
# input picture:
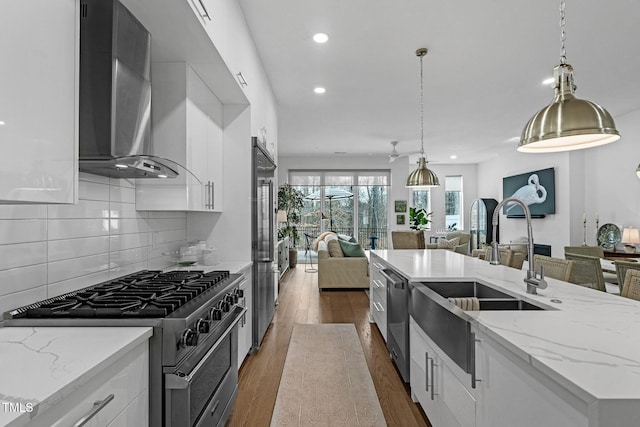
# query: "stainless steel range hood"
(115, 94)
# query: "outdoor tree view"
(353, 204)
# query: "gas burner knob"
(215, 314)
(239, 293)
(225, 306)
(189, 338)
(202, 326)
(231, 298)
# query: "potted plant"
(291, 201)
(419, 218)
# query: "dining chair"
(556, 268)
(506, 256)
(586, 271)
(407, 239)
(621, 270)
(596, 251)
(631, 288)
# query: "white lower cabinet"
(516, 394)
(378, 295)
(117, 396)
(438, 384)
(245, 325)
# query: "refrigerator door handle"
(271, 222)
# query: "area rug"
(326, 380)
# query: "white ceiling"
(482, 76)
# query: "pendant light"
(423, 176)
(638, 171)
(568, 123)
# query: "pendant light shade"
(423, 176)
(568, 123)
(638, 171)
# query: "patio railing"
(363, 237)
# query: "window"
(352, 202)
(454, 219)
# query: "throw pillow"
(334, 247)
(351, 249)
(448, 244)
(321, 237)
(346, 238)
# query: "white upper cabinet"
(39, 41)
(187, 128)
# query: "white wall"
(399, 169)
(599, 181)
(47, 250)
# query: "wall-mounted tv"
(536, 189)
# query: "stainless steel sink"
(489, 298)
(447, 325)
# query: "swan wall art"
(536, 189)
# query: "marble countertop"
(589, 342)
(40, 365)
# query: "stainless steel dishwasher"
(398, 320)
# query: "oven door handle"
(175, 381)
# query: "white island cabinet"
(574, 362)
(378, 294)
(60, 376)
(39, 41)
(187, 128)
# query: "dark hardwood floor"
(300, 301)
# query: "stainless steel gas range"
(193, 372)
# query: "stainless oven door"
(204, 396)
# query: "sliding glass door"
(353, 203)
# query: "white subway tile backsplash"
(64, 286)
(167, 224)
(121, 242)
(129, 256)
(22, 230)
(76, 228)
(88, 190)
(72, 248)
(128, 226)
(84, 209)
(22, 254)
(76, 267)
(23, 211)
(124, 210)
(48, 250)
(19, 279)
(122, 194)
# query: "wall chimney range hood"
(115, 94)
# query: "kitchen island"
(575, 362)
(52, 375)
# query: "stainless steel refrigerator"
(263, 240)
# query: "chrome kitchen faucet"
(533, 282)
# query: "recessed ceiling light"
(320, 38)
(319, 90)
(453, 156)
(1, 123)
(548, 81)
(339, 152)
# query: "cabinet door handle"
(474, 340)
(97, 407)
(433, 379)
(241, 79)
(426, 370)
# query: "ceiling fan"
(394, 153)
